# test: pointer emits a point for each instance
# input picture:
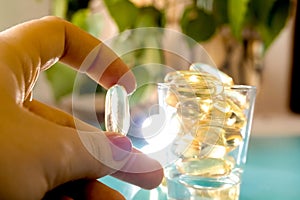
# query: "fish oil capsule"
(194, 83)
(206, 167)
(204, 68)
(117, 115)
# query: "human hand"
(46, 153)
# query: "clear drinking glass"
(212, 139)
(197, 126)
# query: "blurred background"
(251, 40)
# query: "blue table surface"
(272, 172)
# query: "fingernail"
(120, 146)
(128, 81)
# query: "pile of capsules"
(211, 116)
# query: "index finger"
(89, 55)
(38, 44)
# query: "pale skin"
(40, 151)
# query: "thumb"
(110, 152)
(108, 148)
(111, 149)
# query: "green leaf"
(275, 22)
(150, 17)
(142, 76)
(278, 16)
(197, 24)
(60, 8)
(236, 14)
(220, 11)
(61, 79)
(123, 12)
(90, 22)
(112, 2)
(260, 10)
(79, 18)
(75, 5)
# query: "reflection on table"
(272, 172)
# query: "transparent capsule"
(195, 83)
(238, 98)
(220, 113)
(238, 116)
(233, 138)
(207, 167)
(211, 117)
(204, 68)
(209, 141)
(193, 108)
(117, 115)
(192, 151)
(212, 151)
(203, 150)
(172, 99)
(213, 135)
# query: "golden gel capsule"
(233, 138)
(207, 167)
(117, 115)
(204, 68)
(193, 83)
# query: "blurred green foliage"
(60, 76)
(128, 16)
(200, 19)
(266, 18)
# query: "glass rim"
(235, 86)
